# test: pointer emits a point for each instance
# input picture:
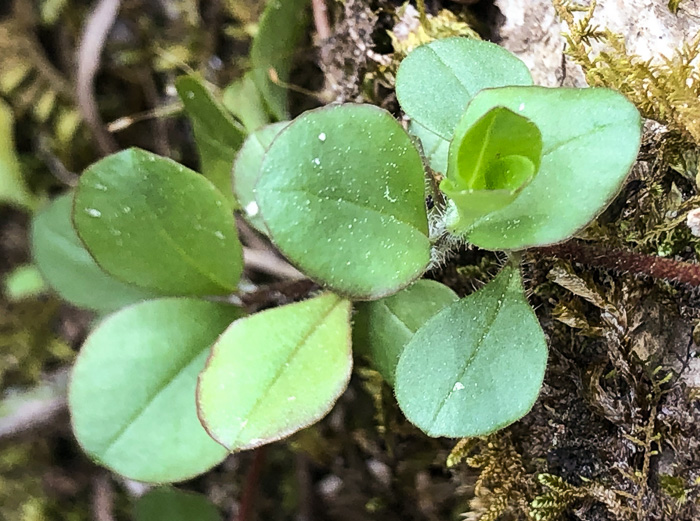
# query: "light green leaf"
(476, 366)
(171, 504)
(242, 99)
(590, 140)
(280, 28)
(132, 392)
(217, 135)
(436, 81)
(341, 191)
(13, 189)
(69, 269)
(383, 328)
(490, 163)
(435, 149)
(276, 372)
(156, 224)
(246, 171)
(23, 282)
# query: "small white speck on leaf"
(252, 209)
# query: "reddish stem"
(626, 261)
(246, 511)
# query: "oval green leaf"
(246, 171)
(171, 504)
(276, 372)
(156, 224)
(69, 269)
(590, 140)
(435, 149)
(436, 81)
(217, 135)
(341, 191)
(243, 99)
(383, 328)
(476, 366)
(280, 28)
(132, 392)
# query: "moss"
(28, 342)
(668, 92)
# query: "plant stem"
(247, 510)
(323, 26)
(625, 261)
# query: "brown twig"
(268, 262)
(323, 26)
(246, 511)
(92, 42)
(625, 261)
(277, 294)
(36, 407)
(103, 498)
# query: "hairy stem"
(625, 261)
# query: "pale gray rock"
(532, 31)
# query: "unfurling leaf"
(490, 163)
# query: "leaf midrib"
(398, 221)
(282, 368)
(164, 384)
(479, 344)
(169, 239)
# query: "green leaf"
(435, 82)
(280, 28)
(341, 190)
(276, 372)
(132, 392)
(246, 171)
(590, 140)
(154, 223)
(383, 328)
(13, 189)
(435, 149)
(69, 269)
(476, 366)
(217, 135)
(242, 99)
(23, 282)
(490, 163)
(171, 504)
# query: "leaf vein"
(479, 344)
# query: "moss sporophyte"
(341, 192)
